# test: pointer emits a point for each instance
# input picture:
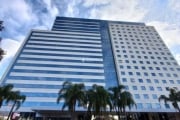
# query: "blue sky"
(20, 16)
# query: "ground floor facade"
(64, 115)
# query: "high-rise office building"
(91, 51)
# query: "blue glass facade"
(92, 51)
(75, 50)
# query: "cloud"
(123, 10)
(88, 3)
(169, 32)
(10, 46)
(174, 5)
(177, 57)
(73, 8)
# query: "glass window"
(121, 66)
(178, 81)
(139, 106)
(145, 74)
(154, 96)
(138, 73)
(168, 75)
(126, 87)
(153, 74)
(164, 81)
(150, 68)
(140, 80)
(160, 74)
(159, 88)
(146, 96)
(151, 88)
(130, 73)
(134, 87)
(157, 68)
(148, 105)
(123, 73)
(156, 81)
(167, 106)
(128, 67)
(124, 79)
(143, 67)
(135, 67)
(148, 80)
(143, 87)
(137, 96)
(157, 105)
(171, 81)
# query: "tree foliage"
(173, 97)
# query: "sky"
(20, 16)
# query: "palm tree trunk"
(12, 108)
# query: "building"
(93, 51)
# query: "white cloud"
(177, 56)
(10, 47)
(169, 32)
(88, 3)
(72, 8)
(123, 10)
(174, 5)
(16, 9)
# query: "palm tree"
(17, 100)
(5, 91)
(120, 99)
(1, 53)
(174, 97)
(97, 100)
(73, 94)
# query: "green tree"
(5, 92)
(17, 99)
(97, 100)
(2, 53)
(1, 50)
(120, 99)
(174, 98)
(73, 94)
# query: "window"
(164, 81)
(148, 105)
(145, 74)
(132, 80)
(157, 105)
(122, 73)
(139, 106)
(153, 74)
(178, 81)
(143, 87)
(151, 88)
(159, 88)
(168, 75)
(154, 96)
(140, 80)
(167, 106)
(130, 73)
(150, 68)
(124, 79)
(128, 67)
(160, 74)
(156, 81)
(171, 81)
(135, 67)
(134, 87)
(148, 80)
(138, 73)
(146, 96)
(121, 66)
(126, 87)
